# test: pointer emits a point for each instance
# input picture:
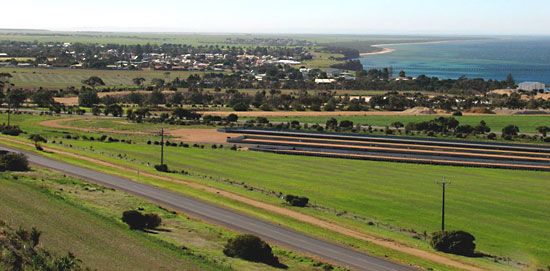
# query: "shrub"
(10, 130)
(251, 248)
(296, 200)
(13, 162)
(457, 113)
(138, 221)
(454, 242)
(161, 168)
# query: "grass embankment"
(504, 209)
(526, 123)
(87, 217)
(99, 241)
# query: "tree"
(43, 98)
(510, 131)
(93, 81)
(232, 117)
(543, 130)
(296, 200)
(157, 83)
(482, 128)
(37, 139)
(114, 109)
(88, 98)
(332, 123)
(402, 74)
(454, 242)
(138, 221)
(156, 97)
(138, 81)
(16, 97)
(135, 98)
(13, 162)
(251, 248)
(397, 125)
(510, 82)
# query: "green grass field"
(94, 239)
(526, 123)
(504, 209)
(87, 218)
(62, 78)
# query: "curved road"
(232, 219)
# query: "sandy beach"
(381, 52)
(386, 50)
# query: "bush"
(251, 248)
(10, 130)
(161, 168)
(138, 221)
(296, 200)
(13, 162)
(454, 242)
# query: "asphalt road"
(281, 235)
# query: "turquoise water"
(527, 59)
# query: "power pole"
(162, 146)
(443, 184)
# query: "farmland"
(526, 123)
(504, 209)
(62, 78)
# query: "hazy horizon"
(355, 17)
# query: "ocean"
(527, 59)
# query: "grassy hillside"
(85, 219)
(62, 78)
(100, 243)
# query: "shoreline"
(386, 50)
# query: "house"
(530, 86)
(324, 81)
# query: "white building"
(530, 86)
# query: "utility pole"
(162, 146)
(443, 184)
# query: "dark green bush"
(13, 162)
(138, 221)
(296, 200)
(161, 168)
(251, 248)
(454, 242)
(10, 130)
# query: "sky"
(460, 17)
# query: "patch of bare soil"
(419, 111)
(479, 110)
(207, 136)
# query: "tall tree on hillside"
(138, 81)
(88, 98)
(510, 82)
(93, 81)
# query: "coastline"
(386, 50)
